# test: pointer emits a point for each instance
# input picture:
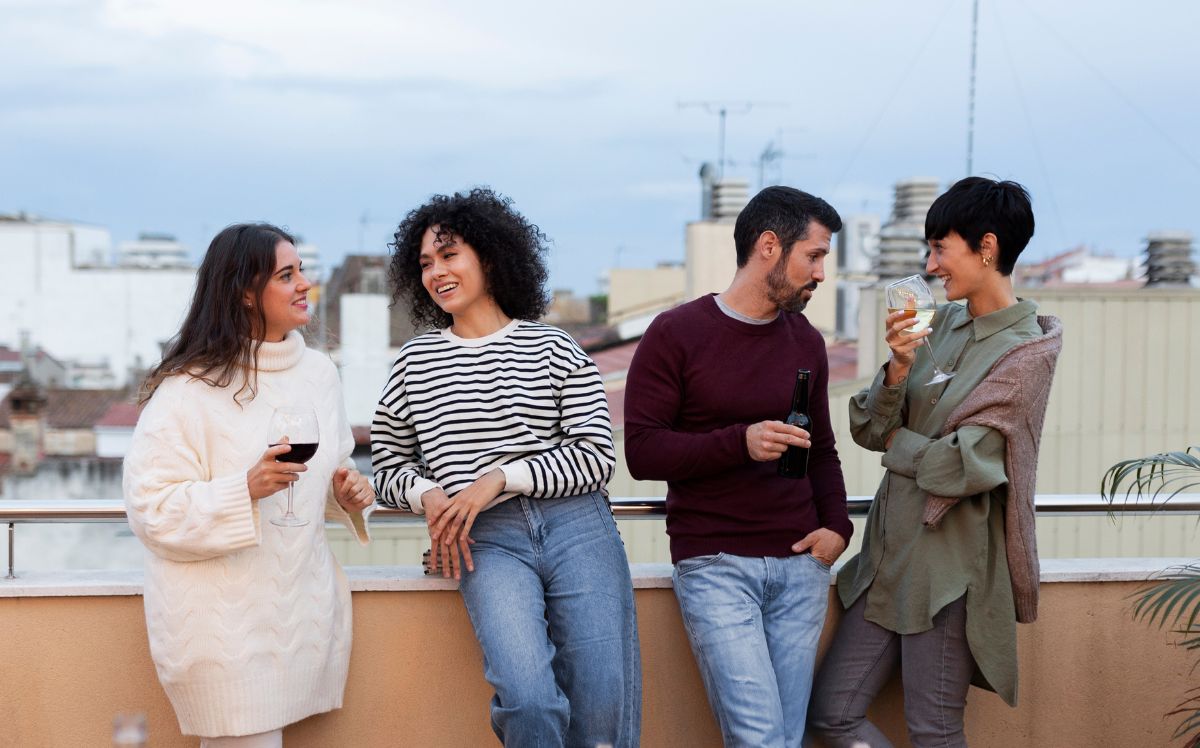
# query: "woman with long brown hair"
(249, 621)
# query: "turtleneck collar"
(282, 355)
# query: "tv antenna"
(723, 109)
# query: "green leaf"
(1169, 473)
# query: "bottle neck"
(800, 394)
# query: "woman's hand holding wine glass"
(902, 340)
(296, 429)
(269, 476)
(910, 299)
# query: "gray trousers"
(935, 669)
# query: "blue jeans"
(551, 601)
(754, 624)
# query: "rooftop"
(71, 409)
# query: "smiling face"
(794, 278)
(285, 298)
(451, 272)
(961, 270)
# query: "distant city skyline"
(334, 120)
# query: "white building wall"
(113, 441)
(76, 309)
(365, 357)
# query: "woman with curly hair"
(496, 428)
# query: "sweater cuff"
(904, 456)
(234, 519)
(518, 477)
(413, 494)
(356, 522)
(843, 527)
(882, 399)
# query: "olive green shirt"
(908, 571)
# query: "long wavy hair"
(220, 338)
(511, 252)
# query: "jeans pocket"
(688, 565)
(819, 563)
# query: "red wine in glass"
(296, 427)
(301, 452)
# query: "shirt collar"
(1002, 319)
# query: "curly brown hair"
(511, 252)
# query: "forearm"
(566, 470)
(190, 520)
(658, 453)
(966, 462)
(825, 468)
(877, 411)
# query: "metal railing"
(16, 511)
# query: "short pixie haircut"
(511, 251)
(976, 206)
(787, 212)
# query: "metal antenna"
(722, 109)
(971, 93)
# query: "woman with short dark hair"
(249, 622)
(948, 564)
(496, 428)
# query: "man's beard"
(783, 294)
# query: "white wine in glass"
(296, 427)
(912, 295)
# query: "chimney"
(1169, 259)
(28, 405)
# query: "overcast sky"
(185, 116)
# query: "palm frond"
(1189, 708)
(1174, 596)
(1169, 473)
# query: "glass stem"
(290, 485)
(933, 359)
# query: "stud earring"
(987, 261)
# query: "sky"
(334, 119)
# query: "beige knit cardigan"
(1012, 400)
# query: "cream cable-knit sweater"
(249, 623)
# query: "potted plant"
(1173, 596)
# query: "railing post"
(12, 536)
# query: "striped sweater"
(525, 399)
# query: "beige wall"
(634, 291)
(1090, 676)
(1125, 385)
(69, 442)
(712, 261)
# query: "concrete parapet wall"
(74, 653)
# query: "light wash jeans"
(551, 601)
(754, 624)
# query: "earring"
(987, 261)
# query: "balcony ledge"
(412, 579)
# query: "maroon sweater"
(699, 379)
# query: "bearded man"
(706, 394)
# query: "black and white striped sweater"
(525, 399)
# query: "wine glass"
(912, 295)
(298, 428)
